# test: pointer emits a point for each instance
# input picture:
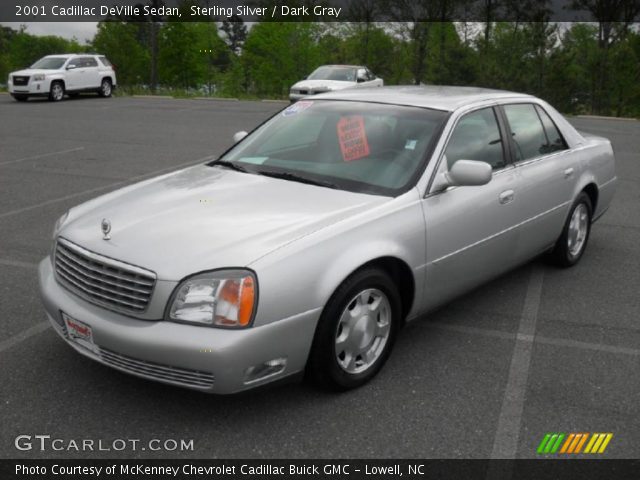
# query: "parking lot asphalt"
(537, 350)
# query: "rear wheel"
(20, 98)
(56, 92)
(356, 331)
(105, 88)
(573, 241)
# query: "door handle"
(507, 196)
(568, 173)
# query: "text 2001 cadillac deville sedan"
(308, 244)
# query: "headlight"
(38, 77)
(222, 298)
(59, 223)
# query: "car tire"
(350, 345)
(20, 98)
(106, 88)
(572, 243)
(56, 91)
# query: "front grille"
(103, 280)
(19, 80)
(182, 376)
(304, 92)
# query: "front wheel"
(356, 331)
(56, 92)
(105, 88)
(573, 241)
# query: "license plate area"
(79, 333)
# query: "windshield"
(344, 74)
(49, 63)
(355, 146)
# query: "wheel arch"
(591, 189)
(402, 276)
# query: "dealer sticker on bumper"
(79, 332)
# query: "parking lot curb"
(274, 101)
(222, 99)
(151, 96)
(604, 117)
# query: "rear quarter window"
(555, 140)
(105, 61)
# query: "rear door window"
(527, 132)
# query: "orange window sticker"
(352, 138)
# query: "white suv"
(55, 75)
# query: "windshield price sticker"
(352, 138)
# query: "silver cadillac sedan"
(307, 245)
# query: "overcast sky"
(82, 31)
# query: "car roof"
(342, 66)
(69, 55)
(438, 97)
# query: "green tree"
(118, 40)
(279, 54)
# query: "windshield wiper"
(297, 178)
(231, 165)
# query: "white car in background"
(334, 77)
(54, 76)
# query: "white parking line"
(35, 157)
(506, 440)
(558, 342)
(105, 187)
(24, 335)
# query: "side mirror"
(239, 136)
(360, 79)
(469, 173)
(463, 173)
(71, 66)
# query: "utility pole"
(209, 66)
(154, 49)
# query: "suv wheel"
(105, 88)
(56, 92)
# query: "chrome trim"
(103, 280)
(157, 371)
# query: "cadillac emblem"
(106, 228)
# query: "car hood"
(328, 84)
(204, 218)
(33, 71)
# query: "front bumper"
(208, 359)
(33, 88)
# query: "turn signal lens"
(235, 302)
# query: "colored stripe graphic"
(568, 442)
(598, 443)
(582, 440)
(572, 443)
(543, 443)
